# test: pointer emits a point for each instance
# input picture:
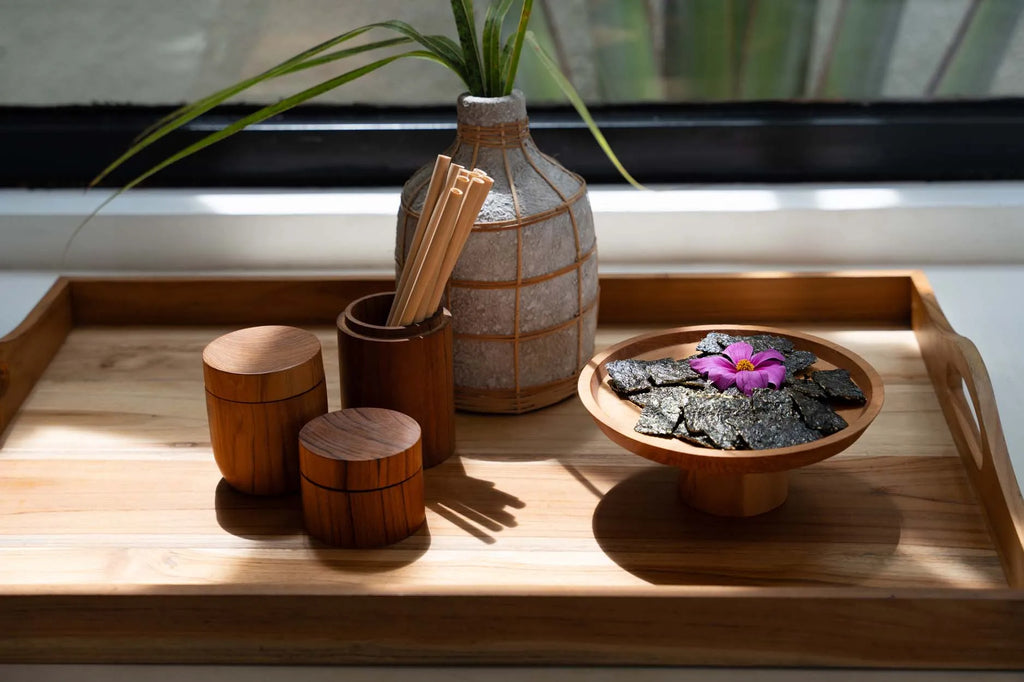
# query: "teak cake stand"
(726, 482)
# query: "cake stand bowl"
(726, 482)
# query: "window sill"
(352, 231)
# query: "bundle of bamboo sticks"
(454, 199)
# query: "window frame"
(359, 146)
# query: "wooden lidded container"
(262, 385)
(406, 369)
(362, 477)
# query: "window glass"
(57, 52)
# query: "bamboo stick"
(421, 299)
(415, 255)
(479, 187)
(447, 216)
(438, 180)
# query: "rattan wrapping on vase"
(524, 293)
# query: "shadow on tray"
(833, 529)
(277, 518)
(474, 505)
(255, 517)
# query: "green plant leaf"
(531, 75)
(977, 51)
(858, 53)
(514, 48)
(702, 48)
(462, 10)
(444, 48)
(624, 50)
(278, 70)
(776, 47)
(279, 107)
(255, 117)
(581, 108)
(493, 22)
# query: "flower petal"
(767, 355)
(748, 381)
(776, 373)
(717, 369)
(704, 365)
(723, 378)
(740, 350)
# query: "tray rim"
(26, 351)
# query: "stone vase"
(524, 293)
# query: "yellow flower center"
(744, 366)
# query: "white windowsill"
(352, 231)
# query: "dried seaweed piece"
(769, 403)
(772, 422)
(694, 439)
(658, 394)
(712, 415)
(807, 388)
(670, 372)
(798, 361)
(763, 342)
(765, 434)
(639, 399)
(818, 415)
(627, 376)
(717, 342)
(714, 342)
(838, 384)
(659, 418)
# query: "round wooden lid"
(262, 364)
(361, 448)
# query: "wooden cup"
(362, 477)
(407, 369)
(262, 385)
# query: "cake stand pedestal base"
(733, 494)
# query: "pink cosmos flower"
(737, 366)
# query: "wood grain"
(544, 542)
(955, 363)
(750, 298)
(262, 385)
(814, 626)
(26, 351)
(362, 477)
(365, 518)
(738, 495)
(360, 448)
(228, 301)
(408, 369)
(262, 364)
(256, 445)
(665, 300)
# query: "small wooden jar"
(407, 369)
(362, 477)
(262, 385)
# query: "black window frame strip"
(359, 146)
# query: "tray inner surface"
(109, 484)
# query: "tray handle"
(954, 363)
(974, 422)
(26, 351)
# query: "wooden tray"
(544, 542)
